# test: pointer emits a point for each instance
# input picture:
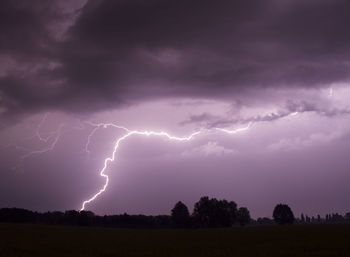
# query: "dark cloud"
(199, 119)
(121, 52)
(24, 28)
(27, 49)
(291, 107)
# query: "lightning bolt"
(98, 126)
(50, 140)
(129, 133)
(37, 132)
(116, 146)
(143, 133)
(235, 131)
(55, 135)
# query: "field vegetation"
(33, 240)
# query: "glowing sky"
(276, 73)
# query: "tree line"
(207, 213)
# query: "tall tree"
(180, 215)
(243, 216)
(283, 214)
(318, 218)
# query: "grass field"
(281, 241)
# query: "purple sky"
(277, 69)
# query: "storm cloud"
(117, 53)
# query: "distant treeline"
(207, 213)
(83, 218)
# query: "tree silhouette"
(180, 215)
(71, 217)
(214, 213)
(283, 214)
(85, 218)
(243, 216)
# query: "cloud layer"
(115, 53)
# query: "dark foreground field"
(293, 241)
